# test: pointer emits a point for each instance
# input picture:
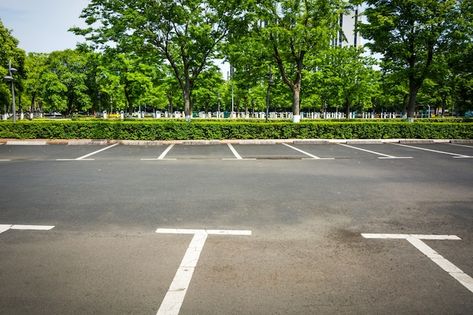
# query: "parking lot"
(291, 228)
(281, 151)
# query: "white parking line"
(177, 291)
(306, 153)
(98, 151)
(163, 155)
(210, 232)
(382, 155)
(85, 157)
(461, 145)
(5, 160)
(235, 153)
(455, 155)
(75, 160)
(416, 241)
(6, 227)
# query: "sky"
(41, 25)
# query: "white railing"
(220, 115)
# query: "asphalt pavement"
(249, 229)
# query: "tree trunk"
(170, 105)
(187, 91)
(70, 107)
(295, 85)
(347, 108)
(296, 102)
(33, 99)
(187, 104)
(268, 101)
(444, 105)
(206, 105)
(128, 100)
(405, 103)
(411, 104)
(246, 105)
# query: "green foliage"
(206, 130)
(411, 33)
(185, 33)
(286, 33)
(160, 55)
(65, 82)
(9, 51)
(36, 66)
(346, 79)
(127, 81)
(207, 90)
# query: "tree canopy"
(161, 55)
(185, 33)
(411, 33)
(10, 53)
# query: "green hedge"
(197, 130)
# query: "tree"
(9, 52)
(35, 65)
(409, 34)
(291, 31)
(207, 89)
(394, 94)
(461, 80)
(65, 82)
(127, 81)
(186, 33)
(168, 85)
(457, 73)
(349, 78)
(250, 64)
(439, 89)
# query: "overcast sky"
(41, 25)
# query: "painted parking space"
(281, 151)
(203, 151)
(174, 298)
(334, 151)
(91, 155)
(380, 151)
(131, 152)
(64, 273)
(60, 152)
(417, 240)
(441, 149)
(268, 151)
(181, 271)
(371, 150)
(46, 152)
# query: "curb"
(210, 142)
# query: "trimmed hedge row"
(178, 130)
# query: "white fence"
(220, 115)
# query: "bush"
(208, 130)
